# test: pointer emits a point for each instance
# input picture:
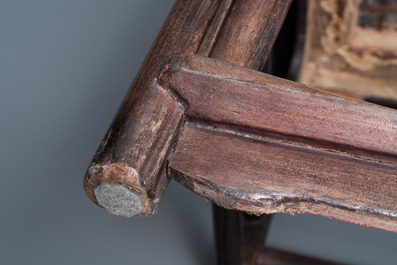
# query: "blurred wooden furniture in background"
(351, 48)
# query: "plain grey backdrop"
(64, 69)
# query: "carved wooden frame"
(199, 112)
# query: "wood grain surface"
(261, 144)
(220, 92)
(134, 150)
(262, 175)
(249, 32)
(241, 138)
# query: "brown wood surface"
(226, 153)
(243, 139)
(252, 141)
(220, 92)
(262, 175)
(250, 31)
(134, 150)
(246, 39)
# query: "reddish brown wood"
(263, 175)
(243, 139)
(250, 31)
(212, 35)
(219, 92)
(246, 39)
(134, 149)
(247, 168)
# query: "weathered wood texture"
(219, 92)
(230, 157)
(351, 47)
(249, 33)
(279, 257)
(266, 176)
(135, 148)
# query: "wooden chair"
(200, 112)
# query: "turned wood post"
(126, 175)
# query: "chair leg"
(239, 237)
(227, 226)
(254, 232)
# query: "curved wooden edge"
(248, 34)
(134, 150)
(262, 144)
(262, 175)
(224, 93)
(137, 160)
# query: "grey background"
(64, 69)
